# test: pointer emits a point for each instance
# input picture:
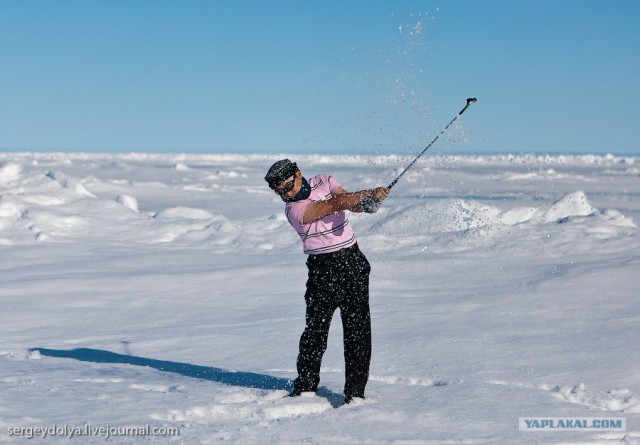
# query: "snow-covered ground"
(167, 290)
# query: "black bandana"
(305, 191)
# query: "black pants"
(337, 280)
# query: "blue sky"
(319, 76)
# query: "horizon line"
(316, 153)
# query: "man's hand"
(374, 198)
(380, 193)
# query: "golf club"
(370, 205)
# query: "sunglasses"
(285, 187)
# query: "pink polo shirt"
(328, 234)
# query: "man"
(338, 271)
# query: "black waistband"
(331, 256)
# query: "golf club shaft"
(469, 102)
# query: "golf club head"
(469, 102)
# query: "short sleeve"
(295, 214)
(333, 184)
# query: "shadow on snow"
(234, 378)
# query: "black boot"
(348, 398)
(296, 392)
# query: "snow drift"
(168, 290)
